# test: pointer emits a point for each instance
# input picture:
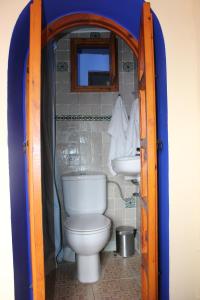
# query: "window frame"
(111, 44)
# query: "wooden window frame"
(111, 44)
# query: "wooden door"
(149, 226)
(148, 155)
(33, 151)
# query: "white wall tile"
(84, 146)
(106, 109)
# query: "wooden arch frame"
(86, 19)
(146, 80)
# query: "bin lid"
(125, 230)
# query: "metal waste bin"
(125, 240)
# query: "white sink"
(127, 166)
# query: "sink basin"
(127, 166)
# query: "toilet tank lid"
(83, 176)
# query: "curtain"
(50, 201)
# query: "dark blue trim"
(127, 14)
(17, 166)
(26, 183)
(163, 180)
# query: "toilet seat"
(87, 223)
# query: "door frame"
(49, 33)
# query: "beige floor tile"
(120, 280)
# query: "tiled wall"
(84, 145)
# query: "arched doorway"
(10, 96)
(146, 76)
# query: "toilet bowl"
(86, 230)
(87, 235)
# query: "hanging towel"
(133, 131)
(117, 129)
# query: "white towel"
(133, 131)
(117, 129)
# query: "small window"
(94, 65)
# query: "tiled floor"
(120, 280)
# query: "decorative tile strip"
(82, 118)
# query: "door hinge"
(143, 143)
(25, 146)
(159, 145)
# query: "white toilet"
(86, 229)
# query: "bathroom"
(82, 147)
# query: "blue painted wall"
(17, 161)
(163, 180)
(127, 14)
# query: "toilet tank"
(84, 193)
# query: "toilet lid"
(87, 222)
